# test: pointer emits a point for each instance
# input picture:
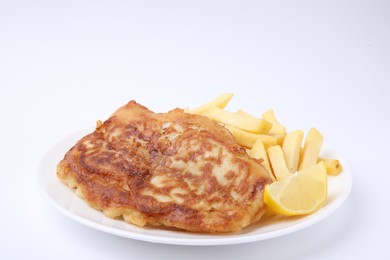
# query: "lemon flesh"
(301, 193)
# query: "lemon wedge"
(300, 193)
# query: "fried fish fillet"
(173, 169)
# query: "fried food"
(174, 169)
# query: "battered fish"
(174, 169)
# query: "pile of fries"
(282, 153)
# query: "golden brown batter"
(174, 169)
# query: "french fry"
(221, 102)
(250, 124)
(291, 149)
(270, 116)
(248, 139)
(278, 163)
(258, 152)
(277, 130)
(333, 166)
(311, 149)
(244, 113)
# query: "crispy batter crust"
(175, 169)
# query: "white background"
(65, 64)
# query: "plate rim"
(212, 241)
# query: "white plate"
(67, 202)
